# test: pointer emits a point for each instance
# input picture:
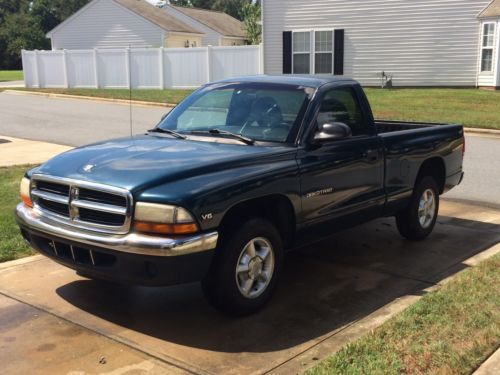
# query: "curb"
(482, 131)
(91, 98)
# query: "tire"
(238, 283)
(417, 221)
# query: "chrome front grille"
(83, 204)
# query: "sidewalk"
(491, 366)
(15, 151)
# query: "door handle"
(370, 155)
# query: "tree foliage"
(24, 23)
(251, 18)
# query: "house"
(137, 23)
(219, 29)
(416, 42)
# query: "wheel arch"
(435, 168)
(276, 208)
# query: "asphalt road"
(69, 121)
(78, 122)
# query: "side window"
(341, 105)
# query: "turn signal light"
(24, 192)
(160, 228)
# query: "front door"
(341, 178)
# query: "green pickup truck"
(239, 173)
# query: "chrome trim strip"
(50, 196)
(92, 257)
(134, 243)
(80, 203)
(74, 220)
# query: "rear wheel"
(243, 275)
(417, 221)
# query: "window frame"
(312, 50)
(487, 47)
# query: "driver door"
(344, 176)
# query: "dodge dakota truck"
(237, 174)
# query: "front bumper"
(131, 258)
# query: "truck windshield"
(262, 112)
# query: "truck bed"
(386, 126)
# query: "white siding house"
(219, 28)
(122, 23)
(417, 42)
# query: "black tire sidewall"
(409, 220)
(220, 285)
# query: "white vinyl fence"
(143, 68)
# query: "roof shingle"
(221, 22)
(157, 16)
(492, 10)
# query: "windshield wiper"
(167, 131)
(248, 141)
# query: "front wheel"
(417, 221)
(243, 275)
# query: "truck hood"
(145, 161)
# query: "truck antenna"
(130, 87)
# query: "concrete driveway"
(330, 293)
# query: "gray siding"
(105, 24)
(211, 37)
(419, 42)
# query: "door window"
(341, 105)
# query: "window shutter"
(287, 52)
(338, 58)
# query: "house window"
(302, 52)
(487, 47)
(323, 52)
(312, 52)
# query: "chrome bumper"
(134, 243)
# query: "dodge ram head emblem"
(88, 167)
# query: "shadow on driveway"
(323, 288)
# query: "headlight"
(163, 219)
(24, 191)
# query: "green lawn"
(468, 107)
(172, 96)
(12, 245)
(449, 331)
(11, 75)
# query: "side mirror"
(333, 131)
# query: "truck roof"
(314, 81)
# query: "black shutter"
(338, 56)
(287, 52)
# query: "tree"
(24, 23)
(251, 14)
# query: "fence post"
(261, 58)
(127, 68)
(65, 68)
(96, 69)
(24, 67)
(209, 64)
(162, 80)
(37, 70)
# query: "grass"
(449, 331)
(11, 75)
(172, 96)
(12, 245)
(468, 107)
